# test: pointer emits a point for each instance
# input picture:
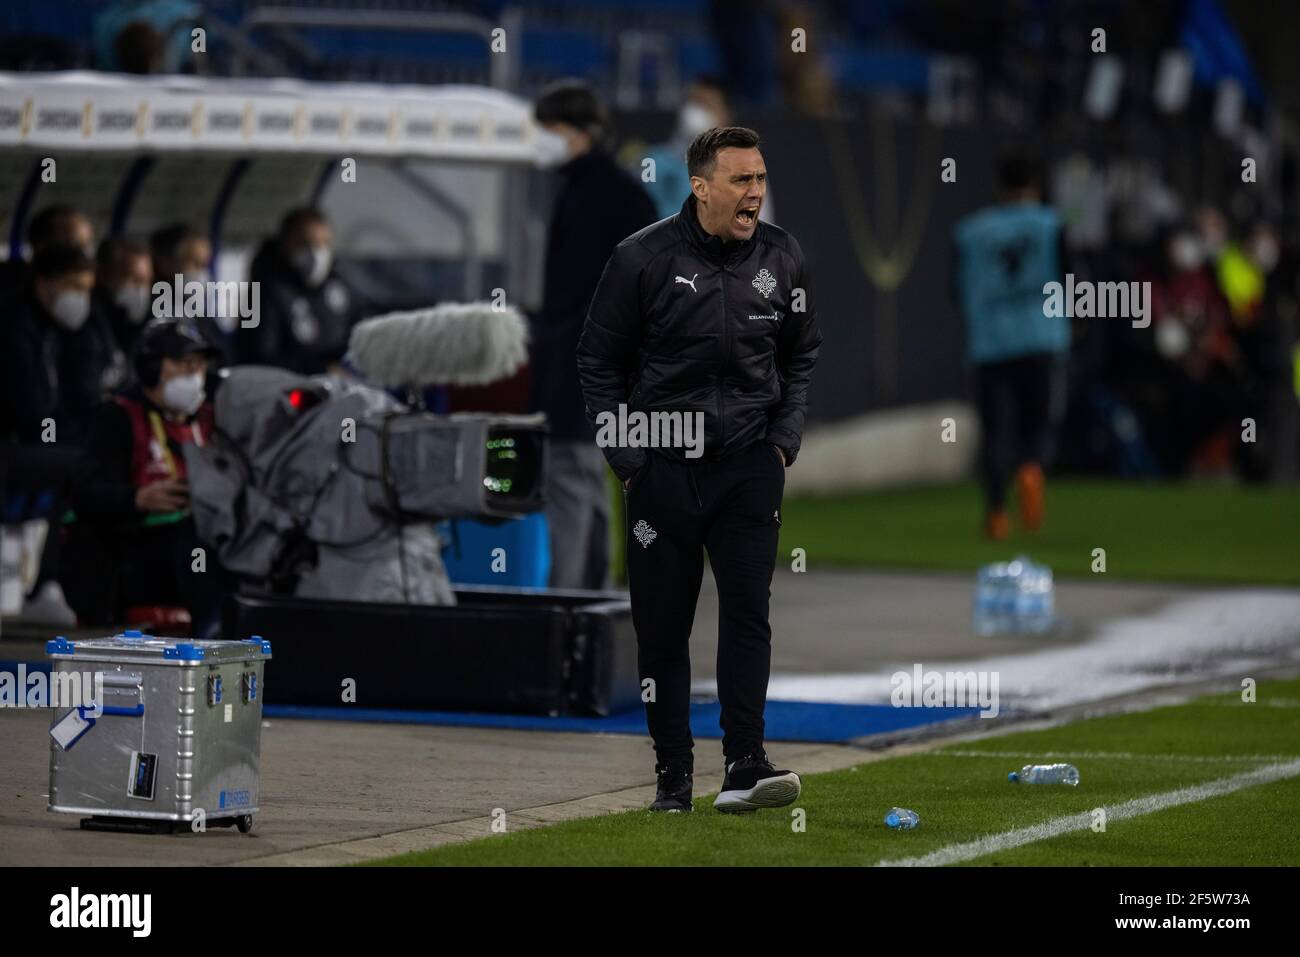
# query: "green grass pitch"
(962, 794)
(1184, 532)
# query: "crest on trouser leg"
(643, 533)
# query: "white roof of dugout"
(110, 112)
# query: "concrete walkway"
(339, 792)
(854, 620)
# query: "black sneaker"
(673, 790)
(752, 782)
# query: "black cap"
(167, 339)
(172, 340)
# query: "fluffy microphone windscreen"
(468, 343)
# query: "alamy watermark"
(651, 430)
(194, 299)
(60, 689)
(945, 689)
(133, 912)
(1098, 300)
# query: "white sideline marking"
(956, 853)
(1118, 755)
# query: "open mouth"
(747, 216)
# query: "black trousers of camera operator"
(675, 512)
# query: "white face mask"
(552, 149)
(134, 301)
(1172, 339)
(693, 119)
(71, 309)
(1265, 252)
(1187, 252)
(183, 394)
(313, 264)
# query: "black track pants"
(1021, 403)
(675, 511)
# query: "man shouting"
(705, 317)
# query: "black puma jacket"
(682, 322)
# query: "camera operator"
(133, 510)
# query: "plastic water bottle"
(901, 819)
(1046, 774)
(1015, 597)
(1035, 599)
(989, 617)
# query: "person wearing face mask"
(705, 107)
(1162, 373)
(1190, 327)
(133, 505)
(123, 290)
(43, 351)
(307, 308)
(61, 225)
(597, 206)
(45, 411)
(100, 356)
(58, 225)
(181, 250)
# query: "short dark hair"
(60, 259)
(43, 226)
(167, 241)
(297, 217)
(139, 48)
(1019, 169)
(702, 154)
(114, 250)
(573, 102)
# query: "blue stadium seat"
(697, 55)
(863, 70)
(564, 51)
(68, 19)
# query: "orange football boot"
(1030, 490)
(997, 526)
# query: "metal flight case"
(175, 739)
